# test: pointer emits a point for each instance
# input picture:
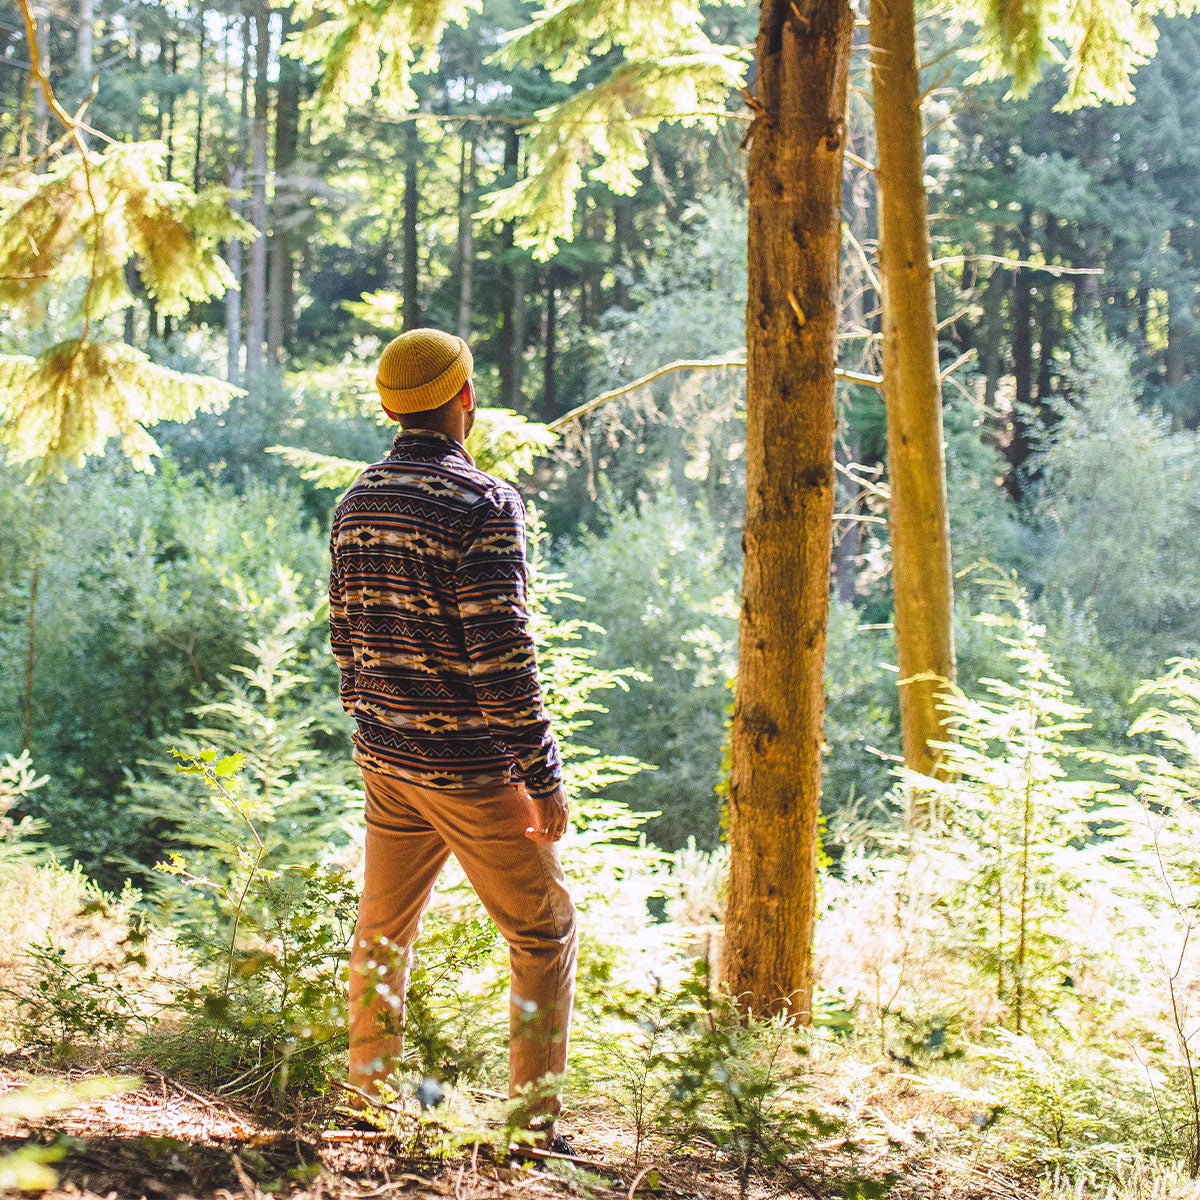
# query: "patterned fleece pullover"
(429, 625)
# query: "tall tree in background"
(256, 288)
(794, 242)
(922, 579)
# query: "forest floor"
(168, 1141)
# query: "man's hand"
(547, 816)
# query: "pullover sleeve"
(339, 627)
(490, 585)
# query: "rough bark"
(284, 202)
(795, 186)
(256, 284)
(922, 579)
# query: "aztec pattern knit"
(429, 625)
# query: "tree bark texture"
(922, 579)
(795, 185)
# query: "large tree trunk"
(795, 184)
(466, 234)
(922, 580)
(410, 298)
(284, 201)
(256, 290)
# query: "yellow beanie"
(422, 369)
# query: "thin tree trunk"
(1180, 300)
(1022, 346)
(794, 244)
(466, 235)
(201, 96)
(550, 358)
(520, 276)
(30, 653)
(233, 250)
(993, 314)
(1048, 330)
(408, 288)
(508, 346)
(256, 290)
(83, 44)
(922, 579)
(284, 201)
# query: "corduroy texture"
(422, 369)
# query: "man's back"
(429, 625)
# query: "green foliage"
(62, 1004)
(609, 119)
(372, 48)
(252, 761)
(1073, 1105)
(270, 940)
(67, 403)
(18, 780)
(737, 1080)
(1101, 44)
(1109, 472)
(90, 217)
(1010, 796)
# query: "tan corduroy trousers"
(411, 831)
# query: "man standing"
(429, 626)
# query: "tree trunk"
(256, 289)
(1022, 345)
(794, 243)
(83, 44)
(466, 235)
(550, 360)
(233, 248)
(1048, 330)
(201, 96)
(410, 297)
(509, 350)
(993, 315)
(1179, 327)
(922, 579)
(284, 201)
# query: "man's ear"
(468, 394)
